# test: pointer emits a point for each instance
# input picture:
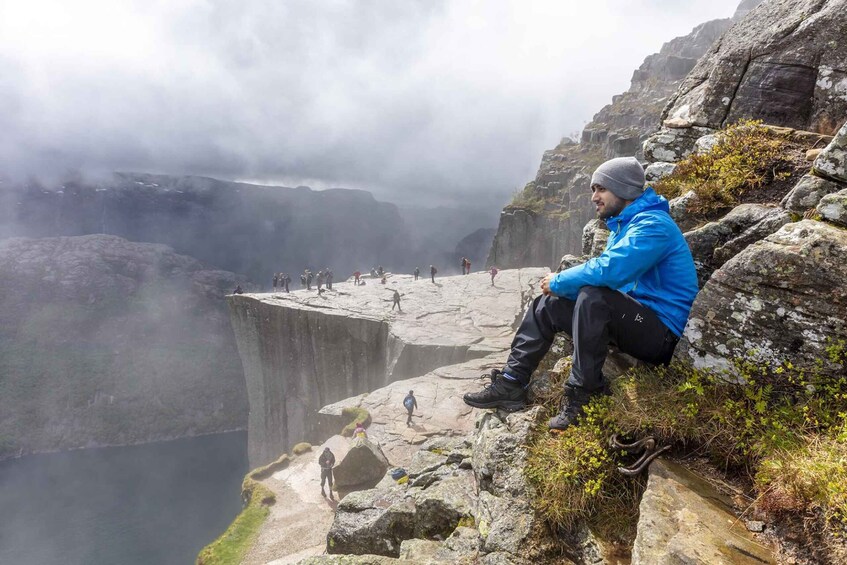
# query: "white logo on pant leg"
(638, 318)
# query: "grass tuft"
(231, 547)
(747, 156)
(353, 415)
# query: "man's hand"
(545, 285)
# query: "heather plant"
(746, 156)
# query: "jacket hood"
(649, 200)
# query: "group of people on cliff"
(325, 277)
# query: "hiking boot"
(323, 494)
(499, 393)
(572, 408)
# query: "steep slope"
(545, 221)
(104, 341)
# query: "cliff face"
(243, 228)
(545, 221)
(301, 351)
(108, 342)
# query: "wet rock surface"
(683, 519)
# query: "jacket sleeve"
(643, 245)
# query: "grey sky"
(435, 100)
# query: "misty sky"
(448, 99)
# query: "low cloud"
(425, 100)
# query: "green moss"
(354, 415)
(266, 471)
(747, 156)
(528, 199)
(231, 547)
(301, 448)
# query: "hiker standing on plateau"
(410, 403)
(396, 301)
(432, 271)
(326, 461)
(635, 295)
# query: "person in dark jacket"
(417, 273)
(326, 461)
(329, 277)
(396, 300)
(238, 289)
(432, 271)
(635, 295)
(410, 403)
(275, 281)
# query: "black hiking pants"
(599, 317)
(326, 476)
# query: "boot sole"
(507, 405)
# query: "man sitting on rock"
(636, 295)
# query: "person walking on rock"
(464, 266)
(468, 266)
(308, 280)
(493, 272)
(286, 278)
(356, 276)
(417, 273)
(326, 461)
(432, 271)
(329, 276)
(636, 295)
(410, 403)
(396, 301)
(275, 281)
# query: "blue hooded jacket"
(646, 257)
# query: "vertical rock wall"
(302, 351)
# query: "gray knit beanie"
(624, 176)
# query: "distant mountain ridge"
(250, 229)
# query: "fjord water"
(149, 504)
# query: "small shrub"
(747, 156)
(354, 415)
